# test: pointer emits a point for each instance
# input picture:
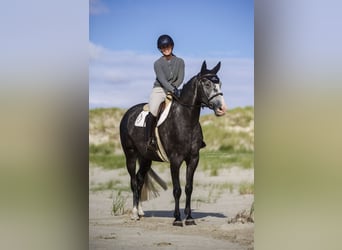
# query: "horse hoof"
(178, 223)
(141, 213)
(190, 222)
(135, 217)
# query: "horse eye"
(215, 79)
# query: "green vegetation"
(246, 188)
(215, 160)
(103, 155)
(119, 203)
(229, 139)
(111, 185)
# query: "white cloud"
(125, 78)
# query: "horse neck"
(188, 98)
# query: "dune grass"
(119, 204)
(103, 155)
(229, 139)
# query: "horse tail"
(149, 191)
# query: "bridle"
(200, 78)
(215, 81)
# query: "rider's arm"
(161, 78)
(180, 75)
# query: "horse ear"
(216, 68)
(204, 67)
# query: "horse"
(180, 134)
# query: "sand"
(215, 200)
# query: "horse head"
(210, 89)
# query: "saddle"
(161, 108)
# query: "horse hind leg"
(140, 210)
(145, 166)
(131, 159)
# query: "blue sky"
(123, 35)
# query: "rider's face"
(167, 51)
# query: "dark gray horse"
(181, 136)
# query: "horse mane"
(189, 83)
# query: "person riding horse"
(180, 134)
(169, 70)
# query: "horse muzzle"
(218, 105)
(221, 110)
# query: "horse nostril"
(222, 109)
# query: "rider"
(169, 70)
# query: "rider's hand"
(176, 92)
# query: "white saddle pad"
(140, 121)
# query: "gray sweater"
(169, 74)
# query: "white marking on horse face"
(218, 101)
(217, 87)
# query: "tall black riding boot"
(151, 122)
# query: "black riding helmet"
(164, 41)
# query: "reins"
(184, 104)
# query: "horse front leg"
(190, 170)
(177, 191)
